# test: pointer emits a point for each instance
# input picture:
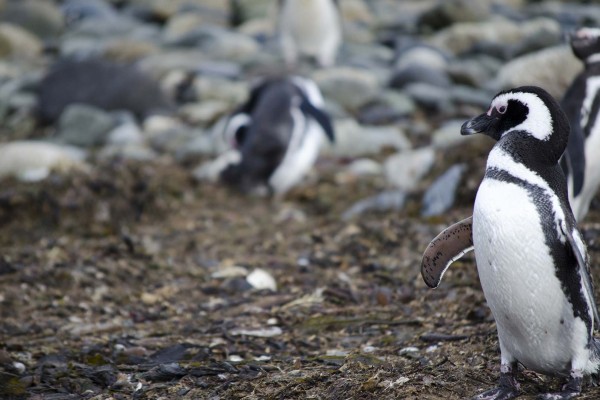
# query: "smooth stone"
(470, 96)
(102, 84)
(219, 43)
(204, 113)
(16, 42)
(84, 125)
(181, 26)
(448, 12)
(128, 50)
(35, 160)
(75, 11)
(440, 196)
(350, 87)
(389, 107)
(448, 134)
(210, 171)
(129, 151)
(405, 170)
(364, 167)
(244, 10)
(221, 89)
(430, 97)
(391, 200)
(126, 131)
(419, 74)
(553, 69)
(416, 53)
(354, 140)
(160, 64)
(260, 280)
(42, 18)
(476, 71)
(462, 37)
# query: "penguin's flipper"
(450, 245)
(584, 267)
(320, 116)
(573, 161)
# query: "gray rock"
(102, 84)
(553, 69)
(126, 131)
(448, 134)
(462, 37)
(159, 65)
(362, 167)
(356, 140)
(41, 18)
(470, 96)
(218, 42)
(130, 151)
(204, 113)
(76, 11)
(350, 87)
(419, 74)
(392, 200)
(405, 170)
(430, 97)
(18, 43)
(440, 196)
(416, 53)
(389, 107)
(83, 125)
(477, 71)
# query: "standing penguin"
(310, 28)
(531, 259)
(278, 132)
(582, 104)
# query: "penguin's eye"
(501, 109)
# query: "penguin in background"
(581, 103)
(311, 28)
(531, 258)
(278, 133)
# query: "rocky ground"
(125, 274)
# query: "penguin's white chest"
(534, 318)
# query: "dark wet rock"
(440, 196)
(442, 337)
(83, 125)
(386, 201)
(446, 13)
(165, 372)
(177, 352)
(101, 84)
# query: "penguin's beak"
(479, 124)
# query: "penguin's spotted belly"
(534, 323)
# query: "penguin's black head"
(585, 43)
(528, 114)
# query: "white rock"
(448, 134)
(405, 169)
(261, 279)
(364, 167)
(34, 160)
(229, 272)
(264, 332)
(354, 140)
(209, 171)
(235, 358)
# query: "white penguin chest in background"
(534, 318)
(311, 23)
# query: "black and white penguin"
(531, 258)
(310, 28)
(278, 133)
(581, 103)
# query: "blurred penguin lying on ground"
(581, 161)
(310, 28)
(278, 133)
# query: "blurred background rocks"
(140, 79)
